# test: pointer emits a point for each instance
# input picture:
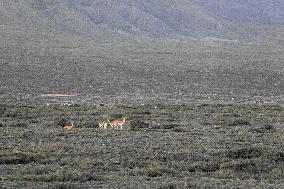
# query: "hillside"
(178, 19)
(259, 11)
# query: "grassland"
(162, 146)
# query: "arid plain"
(199, 114)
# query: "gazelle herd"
(114, 124)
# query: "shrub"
(275, 173)
(19, 158)
(264, 128)
(230, 120)
(238, 121)
(61, 121)
(169, 185)
(241, 169)
(2, 124)
(138, 124)
(20, 124)
(86, 121)
(115, 116)
(244, 153)
(166, 126)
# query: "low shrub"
(19, 124)
(244, 153)
(138, 124)
(169, 185)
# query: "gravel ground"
(141, 72)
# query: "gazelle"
(69, 126)
(117, 123)
(103, 125)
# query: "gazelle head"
(103, 124)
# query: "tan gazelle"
(117, 123)
(69, 126)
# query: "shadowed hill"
(260, 11)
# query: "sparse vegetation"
(201, 112)
(155, 150)
(138, 124)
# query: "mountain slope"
(157, 18)
(259, 11)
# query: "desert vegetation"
(200, 84)
(197, 115)
(161, 146)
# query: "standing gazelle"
(117, 123)
(69, 125)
